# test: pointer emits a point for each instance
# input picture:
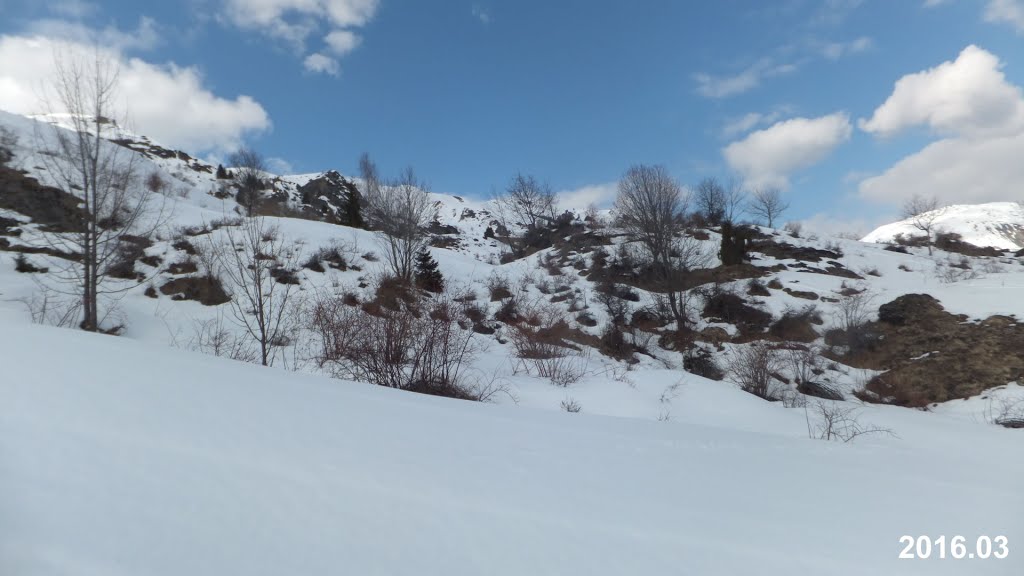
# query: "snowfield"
(996, 224)
(120, 457)
(138, 455)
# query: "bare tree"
(400, 213)
(651, 207)
(528, 201)
(710, 198)
(923, 212)
(717, 203)
(259, 266)
(250, 175)
(114, 209)
(368, 174)
(767, 204)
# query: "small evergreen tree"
(428, 277)
(489, 233)
(352, 211)
(734, 245)
(222, 174)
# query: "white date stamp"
(955, 547)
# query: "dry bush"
(539, 339)
(797, 325)
(754, 368)
(571, 406)
(835, 421)
(851, 322)
(1006, 412)
(212, 336)
(420, 347)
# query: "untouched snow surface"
(996, 224)
(119, 457)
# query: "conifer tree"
(428, 277)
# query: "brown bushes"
(419, 346)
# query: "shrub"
(701, 362)
(498, 287)
(754, 368)
(755, 287)
(419, 347)
(793, 229)
(730, 308)
(571, 406)
(797, 325)
(23, 265)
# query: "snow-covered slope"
(118, 457)
(996, 224)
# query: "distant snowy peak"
(996, 224)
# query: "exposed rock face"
(55, 209)
(909, 307)
(326, 195)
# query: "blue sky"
(773, 93)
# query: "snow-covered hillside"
(118, 457)
(144, 453)
(996, 224)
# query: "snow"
(132, 455)
(996, 224)
(122, 457)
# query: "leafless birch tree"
(114, 208)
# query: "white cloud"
(167, 102)
(935, 3)
(966, 97)
(955, 170)
(836, 50)
(601, 195)
(144, 37)
(1006, 11)
(321, 64)
(750, 78)
(279, 166)
(743, 124)
(768, 157)
(342, 42)
(981, 116)
(294, 21)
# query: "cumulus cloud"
(955, 170)
(294, 21)
(968, 96)
(746, 80)
(768, 157)
(980, 117)
(168, 103)
(601, 195)
(342, 42)
(1006, 12)
(319, 63)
